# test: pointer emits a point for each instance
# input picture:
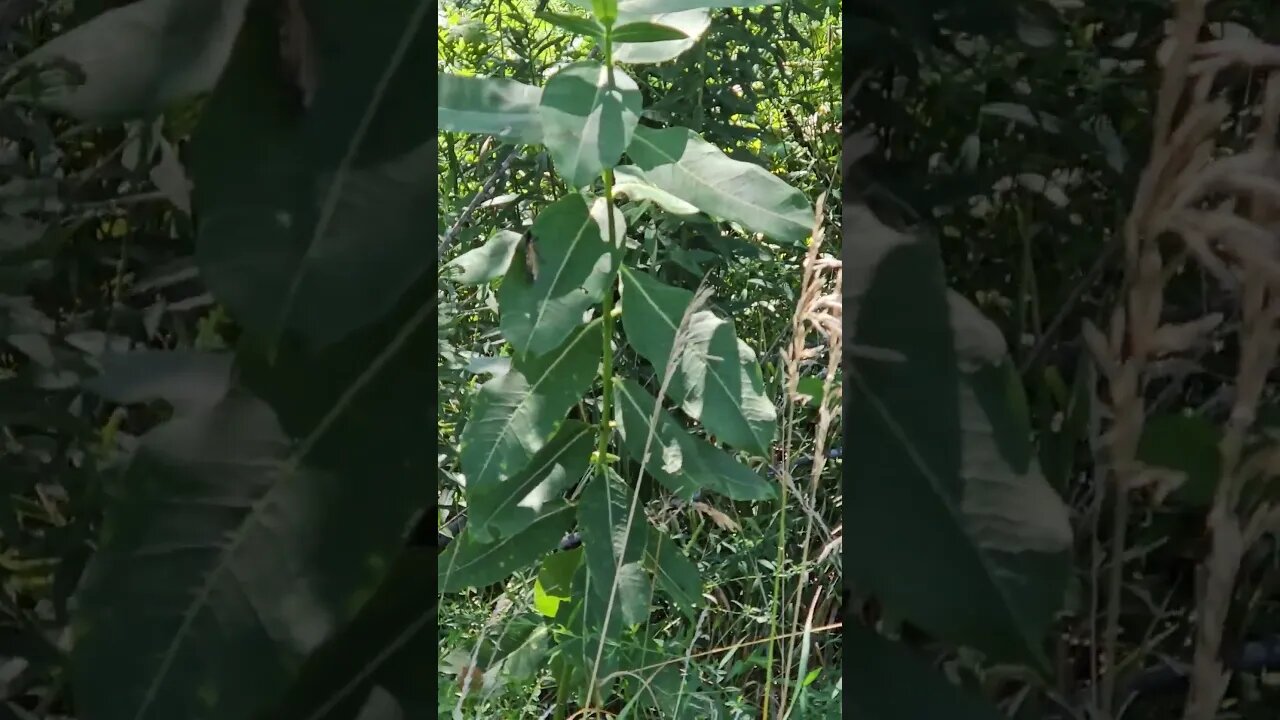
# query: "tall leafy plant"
(570, 295)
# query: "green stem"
(606, 408)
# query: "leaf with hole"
(589, 114)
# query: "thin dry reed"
(1197, 200)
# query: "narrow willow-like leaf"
(516, 413)
(310, 223)
(681, 462)
(675, 574)
(682, 163)
(691, 23)
(587, 122)
(517, 503)
(468, 563)
(945, 492)
(504, 108)
(244, 534)
(587, 27)
(614, 541)
(136, 60)
(717, 379)
(486, 263)
(886, 682)
(575, 263)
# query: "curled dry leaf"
(723, 521)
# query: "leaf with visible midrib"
(614, 539)
(244, 534)
(717, 380)
(469, 563)
(516, 413)
(309, 220)
(504, 108)
(680, 461)
(680, 162)
(588, 114)
(945, 492)
(574, 266)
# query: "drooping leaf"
(575, 265)
(681, 462)
(309, 222)
(589, 114)
(555, 581)
(577, 25)
(675, 574)
(244, 535)
(468, 563)
(504, 108)
(690, 23)
(885, 682)
(488, 262)
(614, 537)
(508, 508)
(188, 380)
(944, 490)
(390, 638)
(717, 379)
(666, 6)
(136, 60)
(516, 413)
(682, 163)
(629, 182)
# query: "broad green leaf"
(646, 32)
(189, 380)
(691, 24)
(486, 263)
(388, 640)
(675, 574)
(681, 462)
(508, 508)
(136, 60)
(944, 491)
(682, 163)
(555, 577)
(614, 537)
(573, 268)
(629, 181)
(516, 413)
(588, 27)
(606, 11)
(504, 108)
(589, 114)
(884, 681)
(309, 223)
(1188, 446)
(242, 538)
(468, 563)
(666, 6)
(717, 380)
(676, 695)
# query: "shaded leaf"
(886, 682)
(468, 563)
(614, 538)
(188, 380)
(289, 202)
